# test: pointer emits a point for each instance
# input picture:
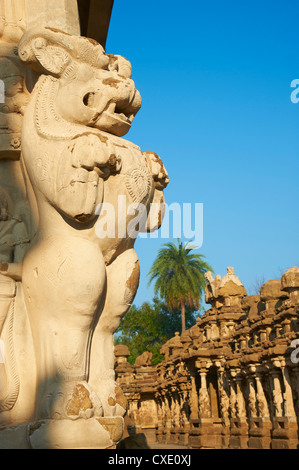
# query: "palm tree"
(179, 276)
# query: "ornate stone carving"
(73, 286)
(241, 385)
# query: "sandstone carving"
(144, 359)
(65, 283)
(236, 370)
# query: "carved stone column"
(239, 426)
(289, 410)
(240, 402)
(285, 429)
(202, 432)
(164, 416)
(193, 396)
(185, 409)
(262, 404)
(159, 403)
(203, 397)
(133, 411)
(197, 396)
(251, 396)
(277, 395)
(168, 416)
(259, 423)
(223, 396)
(232, 399)
(224, 406)
(296, 390)
(175, 414)
(68, 282)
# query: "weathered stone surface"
(57, 14)
(144, 359)
(290, 279)
(232, 380)
(271, 290)
(65, 279)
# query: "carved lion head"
(95, 89)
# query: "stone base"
(206, 433)
(165, 436)
(93, 433)
(284, 433)
(225, 433)
(174, 436)
(183, 436)
(159, 435)
(259, 434)
(150, 434)
(238, 434)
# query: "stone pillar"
(251, 396)
(185, 409)
(285, 429)
(289, 410)
(193, 440)
(240, 402)
(168, 417)
(239, 426)
(164, 415)
(224, 407)
(260, 426)
(199, 427)
(193, 397)
(276, 392)
(206, 431)
(175, 413)
(203, 398)
(208, 331)
(296, 390)
(232, 399)
(73, 287)
(160, 417)
(262, 404)
(134, 411)
(263, 335)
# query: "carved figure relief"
(73, 286)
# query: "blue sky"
(215, 80)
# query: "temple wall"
(230, 381)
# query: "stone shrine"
(231, 380)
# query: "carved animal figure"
(145, 359)
(77, 285)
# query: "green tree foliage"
(148, 327)
(178, 273)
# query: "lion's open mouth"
(115, 116)
(114, 119)
(119, 112)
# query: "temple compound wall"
(230, 381)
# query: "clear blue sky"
(215, 80)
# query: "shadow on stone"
(134, 440)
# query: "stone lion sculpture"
(145, 359)
(74, 285)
